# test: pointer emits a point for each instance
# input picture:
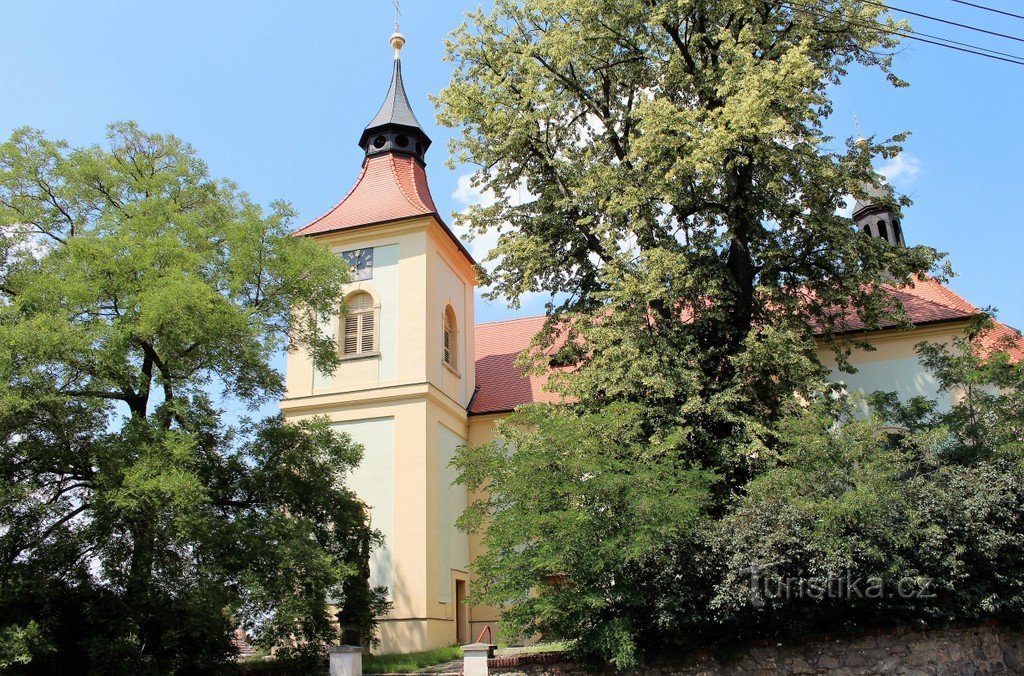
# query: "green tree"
(139, 527)
(930, 509)
(676, 169)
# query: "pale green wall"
(904, 376)
(374, 482)
(454, 544)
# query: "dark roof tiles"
(396, 108)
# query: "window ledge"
(451, 369)
(357, 357)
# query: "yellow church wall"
(450, 281)
(419, 619)
(407, 545)
(402, 252)
(481, 431)
(409, 413)
(448, 552)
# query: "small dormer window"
(360, 326)
(449, 338)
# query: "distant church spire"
(872, 217)
(875, 219)
(395, 129)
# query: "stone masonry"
(981, 649)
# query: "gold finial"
(861, 141)
(397, 41)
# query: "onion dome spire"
(395, 129)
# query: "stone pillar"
(346, 660)
(474, 659)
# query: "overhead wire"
(989, 9)
(941, 20)
(918, 36)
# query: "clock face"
(360, 263)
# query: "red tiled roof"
(931, 290)
(390, 187)
(501, 385)
(1001, 338)
(927, 302)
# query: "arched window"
(449, 339)
(897, 231)
(867, 230)
(883, 230)
(360, 326)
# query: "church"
(419, 377)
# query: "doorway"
(461, 613)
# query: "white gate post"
(346, 660)
(474, 660)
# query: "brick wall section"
(984, 649)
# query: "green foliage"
(932, 503)
(19, 643)
(138, 526)
(573, 513)
(660, 170)
(854, 522)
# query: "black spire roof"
(395, 128)
(396, 108)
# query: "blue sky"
(274, 95)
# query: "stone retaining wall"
(985, 649)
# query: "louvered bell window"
(360, 326)
(449, 337)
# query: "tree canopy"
(140, 525)
(684, 210)
(678, 169)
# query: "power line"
(945, 21)
(920, 37)
(1013, 60)
(910, 33)
(989, 9)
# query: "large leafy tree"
(684, 213)
(139, 527)
(921, 523)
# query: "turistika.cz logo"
(765, 587)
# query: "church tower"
(875, 219)
(407, 373)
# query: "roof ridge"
(424, 195)
(946, 291)
(414, 202)
(937, 304)
(506, 321)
